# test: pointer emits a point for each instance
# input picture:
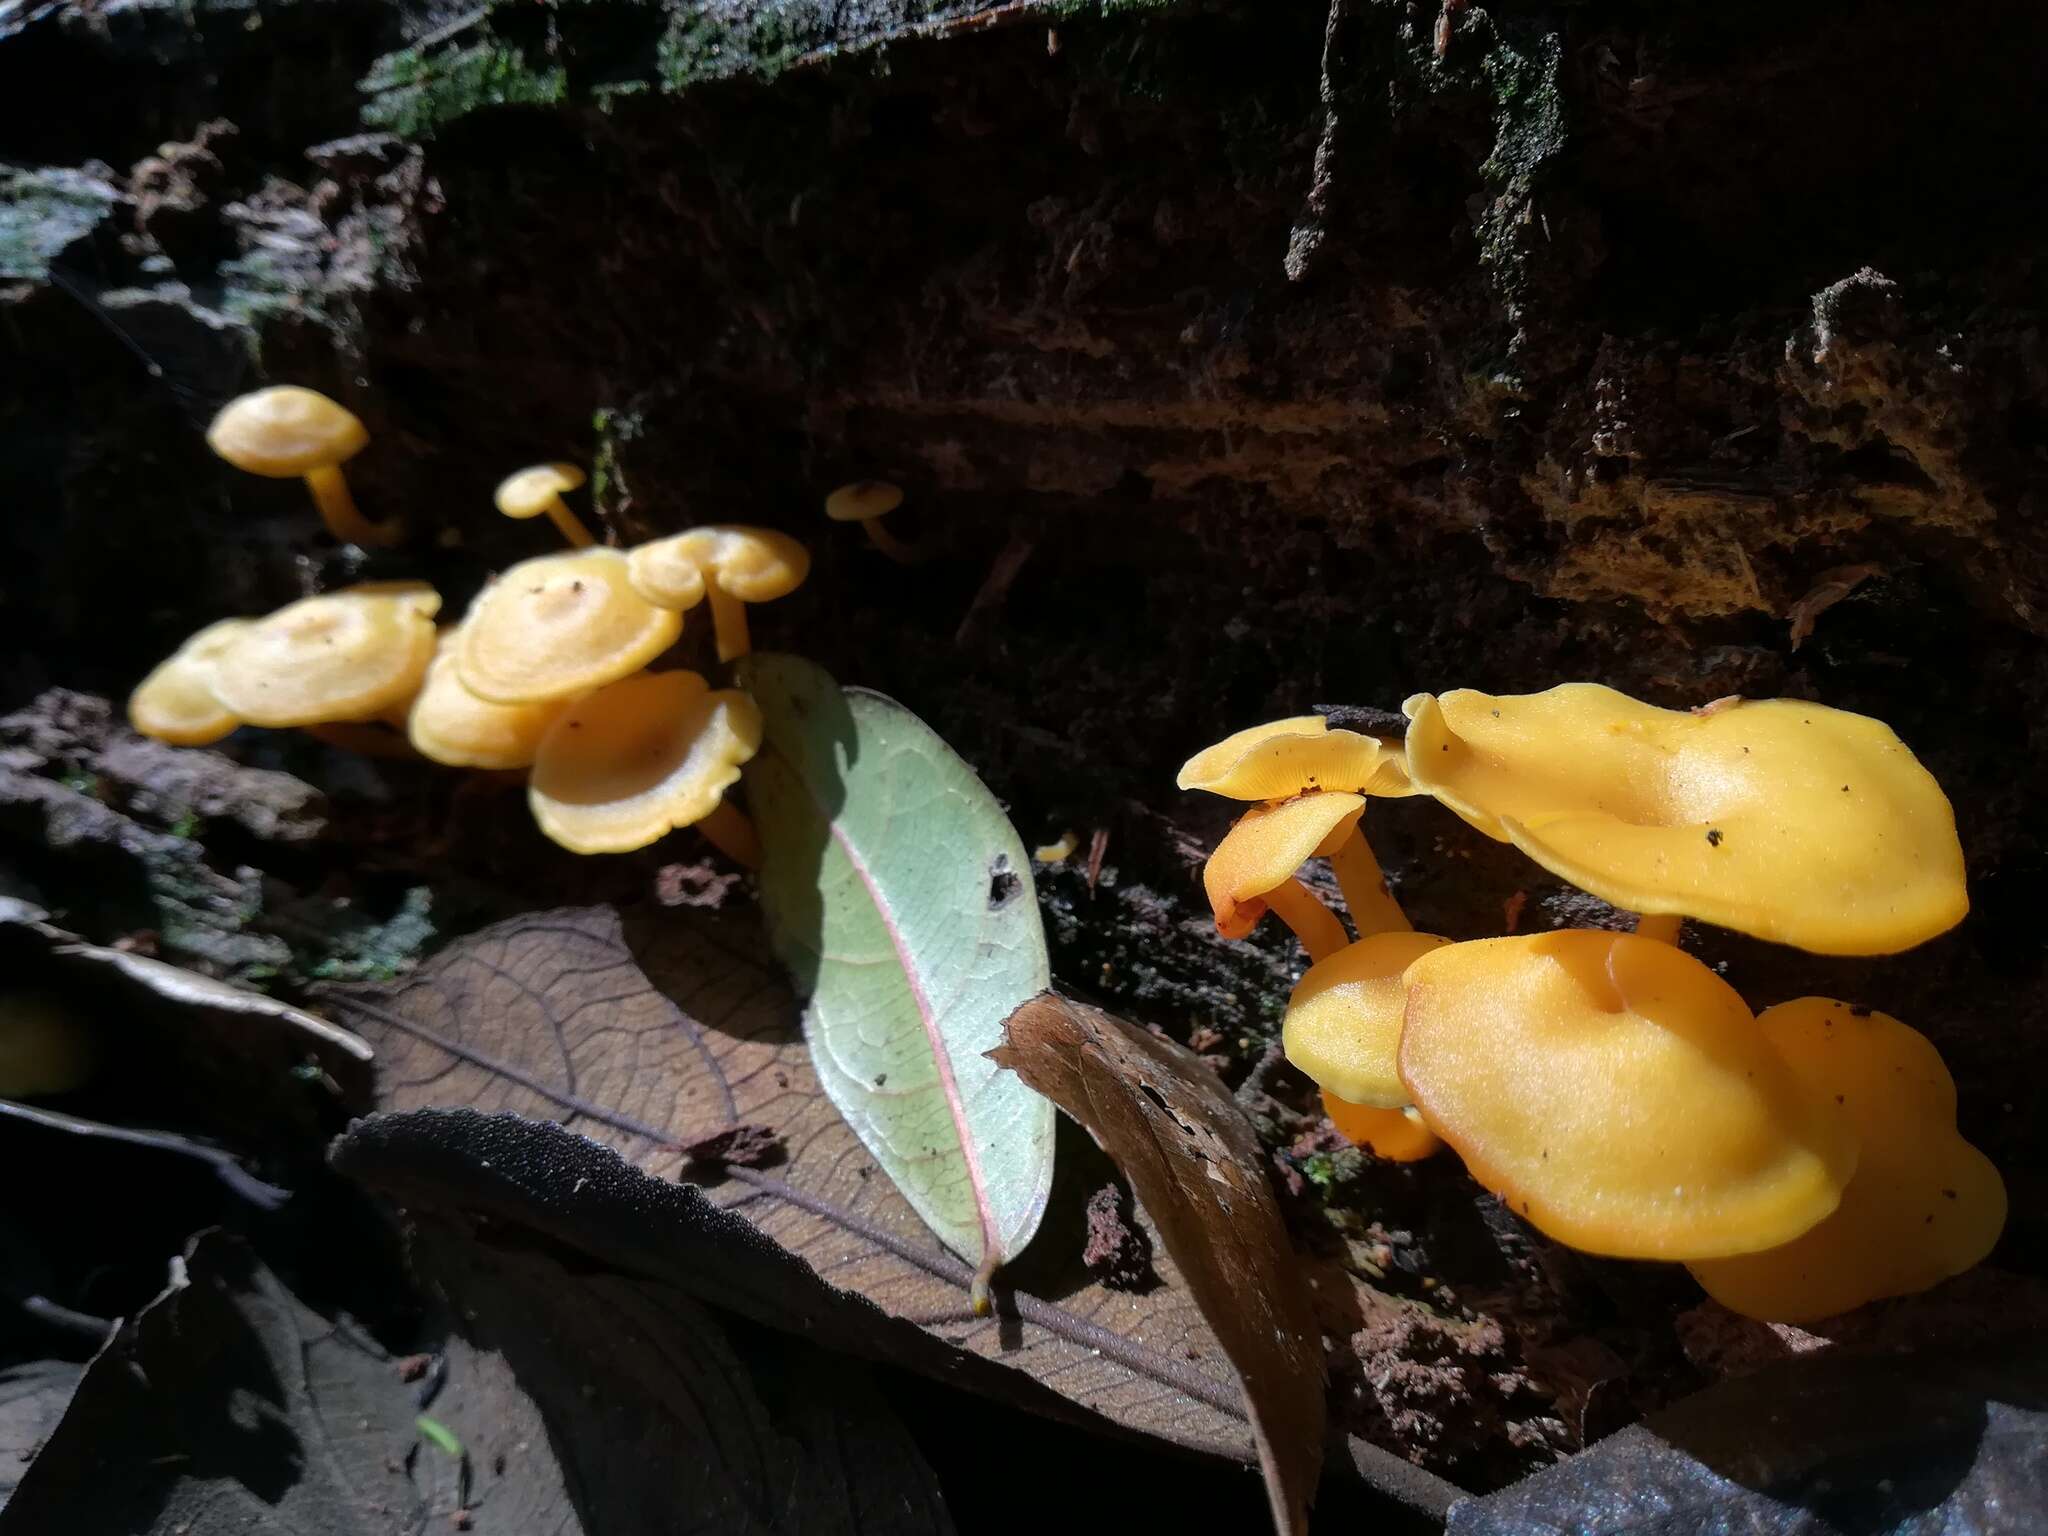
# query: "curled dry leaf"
(1199, 1171)
(1829, 588)
(651, 1034)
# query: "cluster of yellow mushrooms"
(547, 672)
(1608, 1086)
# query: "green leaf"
(900, 898)
(440, 1434)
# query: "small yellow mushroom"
(1287, 757)
(1791, 821)
(1343, 1023)
(867, 502)
(1924, 1203)
(449, 724)
(1617, 1093)
(1252, 869)
(1398, 1135)
(176, 702)
(638, 758)
(731, 565)
(1301, 756)
(537, 489)
(286, 432)
(357, 654)
(559, 625)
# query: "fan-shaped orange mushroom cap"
(1791, 821)
(638, 758)
(347, 655)
(1618, 1094)
(1266, 846)
(176, 702)
(558, 625)
(1924, 1203)
(1286, 757)
(449, 724)
(1343, 1024)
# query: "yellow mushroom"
(357, 654)
(1617, 1094)
(1302, 755)
(451, 725)
(287, 432)
(560, 625)
(537, 489)
(1343, 1023)
(176, 702)
(1924, 1203)
(1286, 757)
(1790, 821)
(45, 1047)
(1252, 869)
(867, 502)
(1398, 1135)
(638, 758)
(731, 565)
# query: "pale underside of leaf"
(898, 895)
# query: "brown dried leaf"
(1197, 1167)
(652, 1034)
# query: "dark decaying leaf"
(577, 1402)
(664, 1417)
(1199, 1172)
(553, 1016)
(32, 1399)
(227, 1405)
(1888, 1445)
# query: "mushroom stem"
(568, 524)
(890, 545)
(1661, 926)
(1313, 923)
(338, 510)
(1373, 908)
(729, 830)
(728, 622)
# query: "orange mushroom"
(560, 625)
(731, 565)
(353, 655)
(1343, 1022)
(176, 702)
(1791, 821)
(625, 765)
(286, 432)
(1924, 1203)
(1617, 1093)
(1252, 869)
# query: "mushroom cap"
(562, 624)
(1343, 1025)
(285, 431)
(346, 655)
(449, 724)
(1286, 757)
(754, 565)
(1616, 1092)
(1791, 821)
(1398, 1135)
(863, 499)
(630, 762)
(1266, 846)
(176, 702)
(1924, 1203)
(531, 491)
